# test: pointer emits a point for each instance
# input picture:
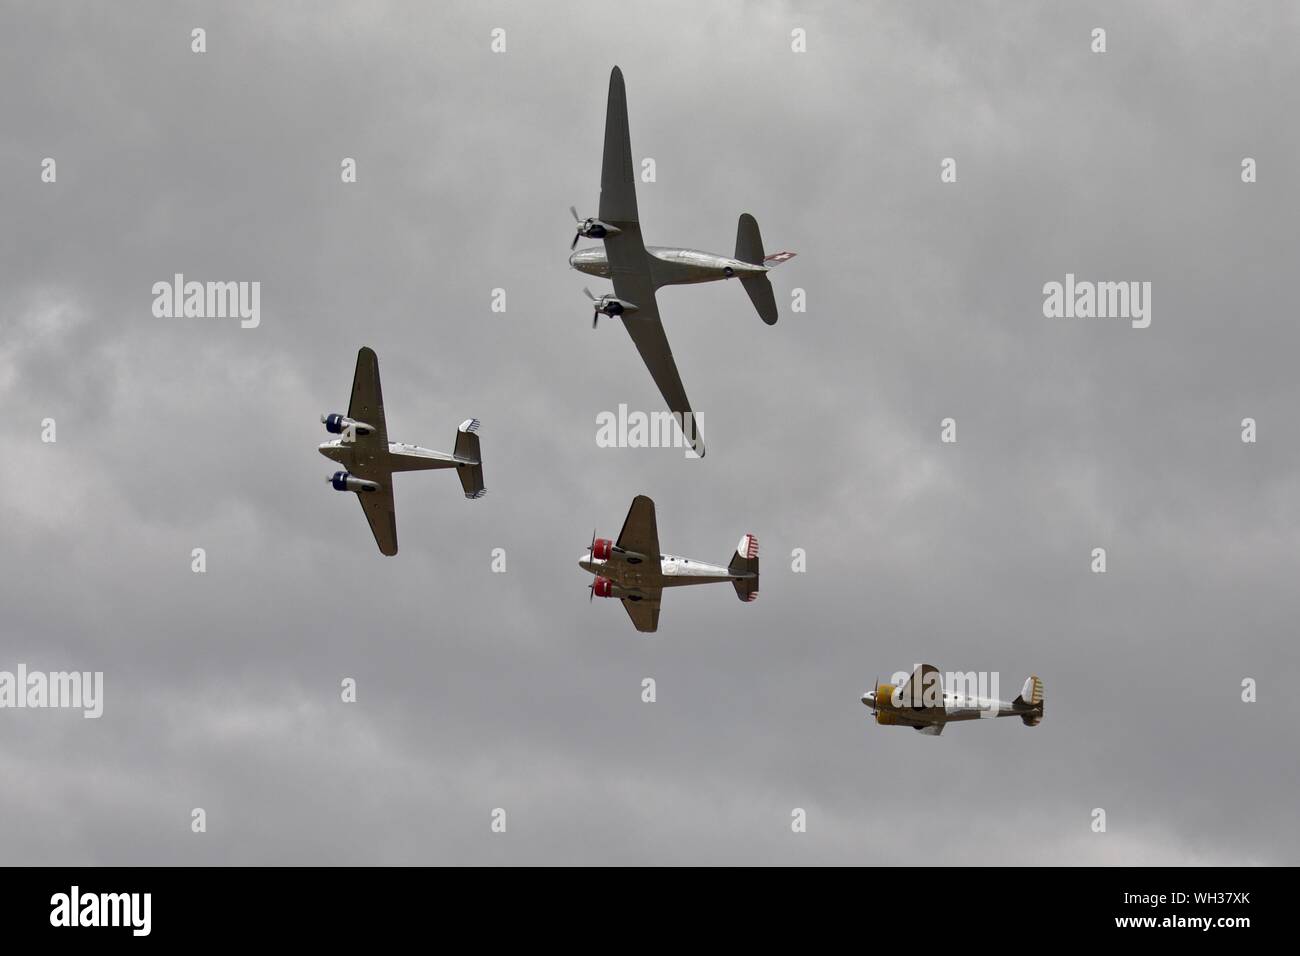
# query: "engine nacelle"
(613, 307)
(337, 424)
(597, 229)
(604, 587)
(602, 549)
(343, 481)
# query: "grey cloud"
(479, 690)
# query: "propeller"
(591, 228)
(577, 235)
(595, 317)
(591, 557)
(875, 683)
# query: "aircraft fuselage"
(671, 265)
(672, 571)
(399, 456)
(955, 707)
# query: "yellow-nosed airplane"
(923, 704)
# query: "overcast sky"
(479, 690)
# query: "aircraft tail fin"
(744, 563)
(470, 465)
(1031, 696)
(749, 248)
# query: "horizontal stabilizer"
(469, 467)
(749, 243)
(760, 293)
(744, 564)
(749, 248)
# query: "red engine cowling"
(602, 549)
(604, 587)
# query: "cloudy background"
(480, 690)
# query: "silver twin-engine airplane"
(633, 569)
(371, 459)
(922, 703)
(639, 270)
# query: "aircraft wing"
(617, 184)
(923, 688)
(640, 533)
(931, 730)
(629, 263)
(648, 335)
(367, 405)
(645, 612)
(378, 506)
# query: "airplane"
(638, 271)
(633, 569)
(370, 459)
(922, 703)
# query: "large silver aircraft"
(922, 703)
(633, 569)
(639, 270)
(371, 459)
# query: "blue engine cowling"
(343, 481)
(337, 424)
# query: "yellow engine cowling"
(886, 712)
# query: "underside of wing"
(647, 334)
(378, 506)
(923, 689)
(617, 185)
(644, 613)
(931, 730)
(629, 263)
(367, 403)
(640, 532)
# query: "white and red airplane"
(634, 570)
